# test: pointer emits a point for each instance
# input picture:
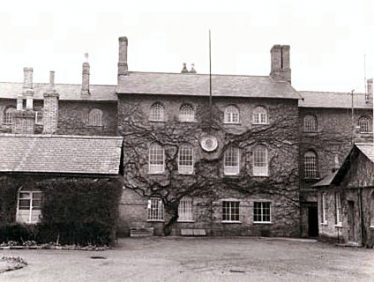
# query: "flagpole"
(210, 81)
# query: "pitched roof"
(60, 154)
(10, 90)
(366, 148)
(314, 99)
(198, 85)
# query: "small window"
(155, 210)
(260, 161)
(310, 165)
(185, 210)
(157, 112)
(231, 114)
(261, 212)
(39, 117)
(186, 113)
(8, 115)
(364, 124)
(230, 211)
(338, 209)
(156, 158)
(310, 123)
(185, 159)
(95, 117)
(29, 206)
(231, 161)
(323, 209)
(260, 115)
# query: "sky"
(332, 42)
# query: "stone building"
(346, 199)
(241, 163)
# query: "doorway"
(313, 221)
(351, 221)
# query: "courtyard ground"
(198, 259)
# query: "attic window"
(364, 124)
(157, 112)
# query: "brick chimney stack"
(369, 91)
(122, 57)
(50, 107)
(85, 76)
(280, 63)
(24, 119)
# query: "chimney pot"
(192, 68)
(184, 69)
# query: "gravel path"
(199, 259)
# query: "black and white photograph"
(200, 140)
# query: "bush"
(75, 210)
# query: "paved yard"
(199, 259)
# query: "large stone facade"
(124, 109)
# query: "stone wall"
(208, 186)
(73, 118)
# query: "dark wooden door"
(313, 221)
(351, 221)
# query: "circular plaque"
(209, 143)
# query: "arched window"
(260, 161)
(260, 115)
(186, 113)
(185, 159)
(372, 210)
(231, 114)
(157, 112)
(231, 161)
(156, 158)
(8, 115)
(310, 165)
(364, 124)
(95, 117)
(310, 123)
(29, 205)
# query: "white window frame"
(155, 210)
(310, 165)
(338, 209)
(310, 123)
(33, 211)
(364, 124)
(157, 112)
(39, 117)
(186, 113)
(95, 117)
(231, 115)
(260, 115)
(229, 214)
(185, 210)
(261, 213)
(8, 115)
(323, 209)
(154, 152)
(260, 168)
(185, 166)
(230, 157)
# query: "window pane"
(157, 112)
(231, 115)
(186, 113)
(261, 212)
(185, 159)
(364, 125)
(310, 167)
(185, 210)
(95, 117)
(260, 161)
(155, 209)
(231, 160)
(260, 115)
(310, 124)
(156, 158)
(230, 211)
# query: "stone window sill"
(231, 221)
(262, 222)
(324, 223)
(186, 221)
(155, 220)
(339, 225)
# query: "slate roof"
(314, 99)
(60, 154)
(366, 148)
(198, 85)
(10, 90)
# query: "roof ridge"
(11, 135)
(331, 92)
(198, 74)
